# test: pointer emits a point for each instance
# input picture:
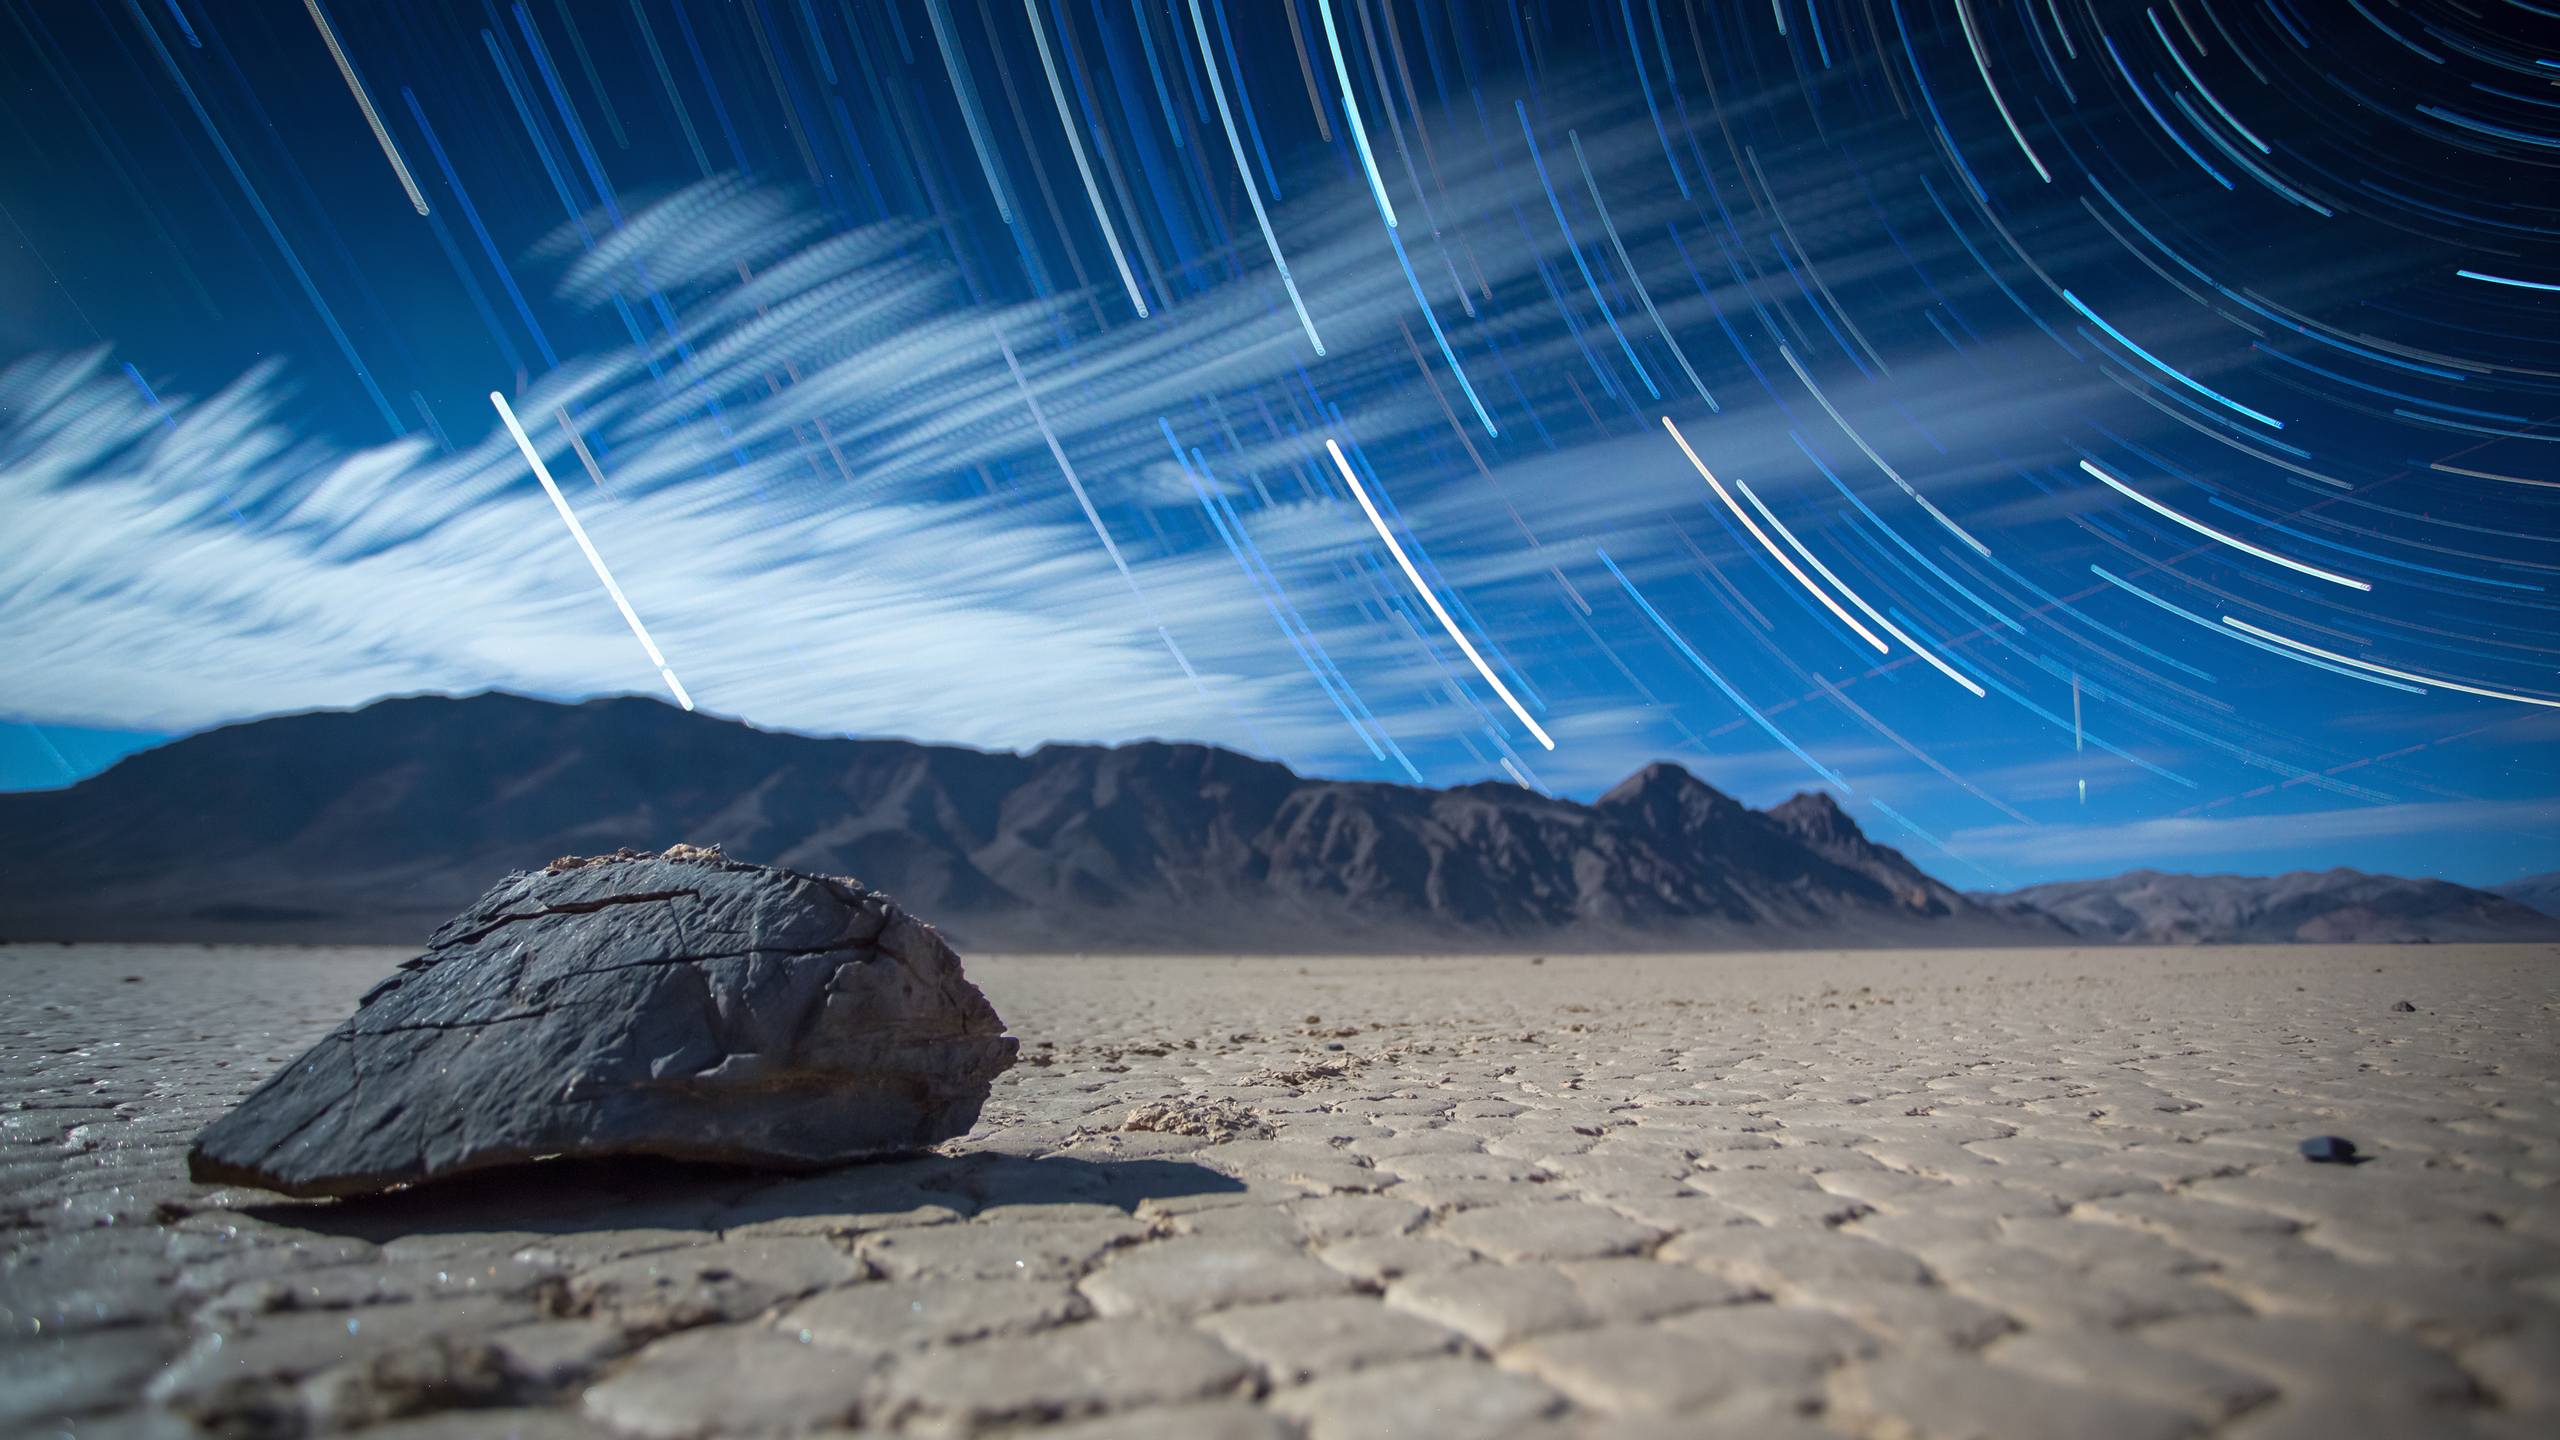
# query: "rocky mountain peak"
(1815, 818)
(1665, 797)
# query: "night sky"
(2080, 435)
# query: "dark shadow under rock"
(572, 1197)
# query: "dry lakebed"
(1864, 1194)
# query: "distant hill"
(2332, 906)
(377, 824)
(2541, 892)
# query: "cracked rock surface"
(683, 1006)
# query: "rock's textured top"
(681, 1005)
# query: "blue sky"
(2117, 442)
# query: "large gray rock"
(681, 1005)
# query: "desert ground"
(2049, 1193)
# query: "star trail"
(2081, 434)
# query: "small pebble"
(2329, 1150)
(2404, 1007)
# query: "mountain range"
(2541, 892)
(375, 825)
(2149, 907)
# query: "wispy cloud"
(823, 488)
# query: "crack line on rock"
(471, 1024)
(858, 952)
(579, 907)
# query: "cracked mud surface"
(1874, 1195)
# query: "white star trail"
(2436, 680)
(364, 102)
(1379, 523)
(1084, 168)
(1351, 108)
(1816, 591)
(1235, 146)
(2234, 541)
(587, 547)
